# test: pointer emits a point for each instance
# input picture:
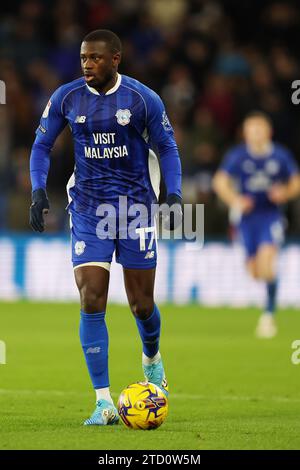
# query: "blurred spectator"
(167, 14)
(179, 93)
(218, 98)
(145, 37)
(202, 56)
(203, 130)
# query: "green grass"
(228, 389)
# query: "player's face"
(98, 63)
(257, 131)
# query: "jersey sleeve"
(51, 124)
(289, 164)
(161, 134)
(230, 163)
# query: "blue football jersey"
(114, 136)
(254, 175)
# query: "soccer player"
(115, 121)
(254, 180)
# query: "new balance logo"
(149, 255)
(80, 119)
(93, 350)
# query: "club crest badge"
(79, 248)
(123, 116)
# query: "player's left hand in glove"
(39, 208)
(173, 219)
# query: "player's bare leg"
(266, 262)
(264, 268)
(251, 267)
(139, 285)
(92, 283)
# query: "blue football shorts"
(259, 228)
(95, 241)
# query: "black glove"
(174, 219)
(39, 207)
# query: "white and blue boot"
(105, 414)
(155, 374)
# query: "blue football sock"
(150, 332)
(94, 342)
(271, 296)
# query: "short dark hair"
(107, 36)
(256, 113)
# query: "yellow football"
(142, 405)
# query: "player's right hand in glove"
(39, 208)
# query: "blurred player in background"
(254, 180)
(114, 120)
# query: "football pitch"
(228, 390)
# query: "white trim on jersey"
(155, 176)
(70, 184)
(145, 135)
(109, 92)
(154, 172)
